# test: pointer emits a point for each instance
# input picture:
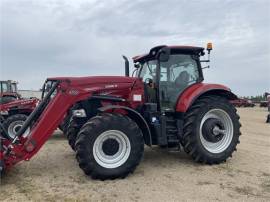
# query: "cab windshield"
(148, 70)
(4, 87)
(47, 86)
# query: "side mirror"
(164, 54)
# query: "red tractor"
(14, 114)
(13, 108)
(165, 103)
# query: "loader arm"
(44, 120)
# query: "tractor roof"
(177, 49)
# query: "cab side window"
(4, 87)
(13, 88)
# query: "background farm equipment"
(166, 103)
(15, 113)
(267, 95)
(20, 106)
(264, 104)
(8, 91)
(242, 103)
(13, 108)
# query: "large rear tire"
(211, 130)
(109, 146)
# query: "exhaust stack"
(126, 65)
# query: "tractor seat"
(182, 80)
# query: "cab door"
(177, 74)
(148, 74)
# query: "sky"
(40, 39)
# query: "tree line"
(257, 98)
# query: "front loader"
(164, 103)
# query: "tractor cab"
(167, 71)
(8, 86)
(8, 91)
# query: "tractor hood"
(95, 80)
(119, 86)
(21, 103)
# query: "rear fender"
(135, 116)
(192, 93)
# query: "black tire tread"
(94, 126)
(189, 141)
(72, 132)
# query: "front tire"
(72, 133)
(211, 130)
(64, 125)
(13, 124)
(109, 146)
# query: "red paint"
(21, 105)
(190, 94)
(72, 90)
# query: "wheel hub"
(17, 128)
(110, 147)
(213, 130)
(216, 130)
(14, 127)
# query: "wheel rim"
(111, 149)
(14, 127)
(225, 131)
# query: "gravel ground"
(53, 174)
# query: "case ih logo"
(26, 102)
(111, 86)
(73, 92)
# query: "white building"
(30, 93)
